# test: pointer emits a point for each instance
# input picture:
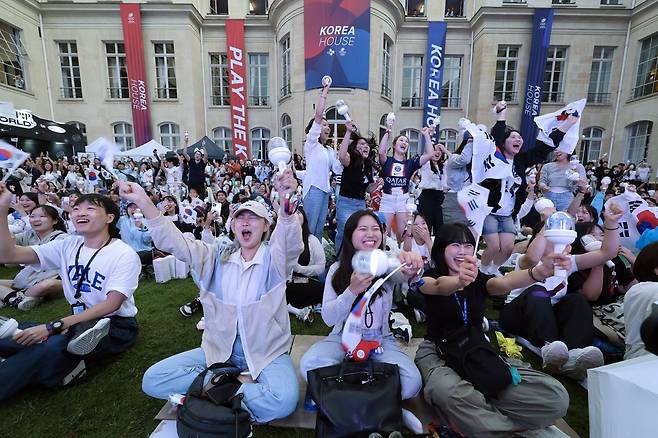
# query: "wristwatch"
(55, 327)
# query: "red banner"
(237, 75)
(131, 21)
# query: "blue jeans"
(330, 351)
(345, 207)
(316, 204)
(561, 200)
(274, 394)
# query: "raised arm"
(9, 252)
(610, 247)
(429, 146)
(526, 277)
(186, 144)
(343, 155)
(383, 143)
(205, 151)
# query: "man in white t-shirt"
(99, 276)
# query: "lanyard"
(463, 308)
(83, 274)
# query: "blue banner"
(436, 42)
(541, 37)
(337, 42)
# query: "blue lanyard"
(463, 308)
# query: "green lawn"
(109, 402)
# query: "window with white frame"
(646, 82)
(81, 127)
(414, 141)
(637, 141)
(286, 129)
(258, 7)
(599, 80)
(222, 138)
(415, 8)
(259, 94)
(591, 145)
(507, 64)
(70, 67)
(454, 8)
(387, 51)
(117, 72)
(259, 139)
(169, 135)
(611, 2)
(219, 83)
(382, 125)
(219, 7)
(13, 57)
(337, 124)
(165, 70)
(556, 64)
(448, 138)
(412, 76)
(284, 49)
(123, 135)
(450, 90)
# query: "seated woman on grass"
(243, 294)
(31, 285)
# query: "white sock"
(294, 310)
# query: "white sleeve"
(50, 255)
(124, 278)
(525, 208)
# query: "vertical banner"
(337, 42)
(436, 42)
(237, 74)
(541, 37)
(131, 22)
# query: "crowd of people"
(263, 245)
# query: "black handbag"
(471, 356)
(218, 413)
(355, 399)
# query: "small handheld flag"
(11, 158)
(106, 151)
(552, 121)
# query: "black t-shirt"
(445, 314)
(354, 181)
(611, 280)
(197, 172)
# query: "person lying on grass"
(99, 276)
(243, 294)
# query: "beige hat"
(255, 207)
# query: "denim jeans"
(316, 204)
(345, 207)
(561, 200)
(274, 394)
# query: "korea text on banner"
(131, 23)
(436, 41)
(237, 75)
(337, 42)
(532, 94)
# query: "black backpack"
(217, 413)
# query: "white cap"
(255, 207)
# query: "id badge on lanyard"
(77, 308)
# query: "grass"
(109, 402)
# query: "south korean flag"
(550, 122)
(629, 202)
(473, 201)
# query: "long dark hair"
(343, 274)
(582, 229)
(438, 167)
(646, 263)
(175, 201)
(305, 256)
(106, 204)
(53, 214)
(447, 235)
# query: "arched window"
(591, 145)
(222, 138)
(286, 129)
(259, 139)
(637, 141)
(123, 135)
(414, 141)
(337, 123)
(169, 135)
(81, 127)
(382, 126)
(448, 137)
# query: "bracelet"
(532, 276)
(611, 229)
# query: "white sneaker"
(546, 432)
(306, 315)
(420, 316)
(77, 372)
(7, 328)
(580, 360)
(85, 342)
(28, 303)
(201, 325)
(411, 422)
(554, 355)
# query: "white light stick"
(375, 263)
(542, 204)
(343, 109)
(390, 120)
(186, 134)
(560, 232)
(410, 206)
(591, 243)
(278, 153)
(326, 81)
